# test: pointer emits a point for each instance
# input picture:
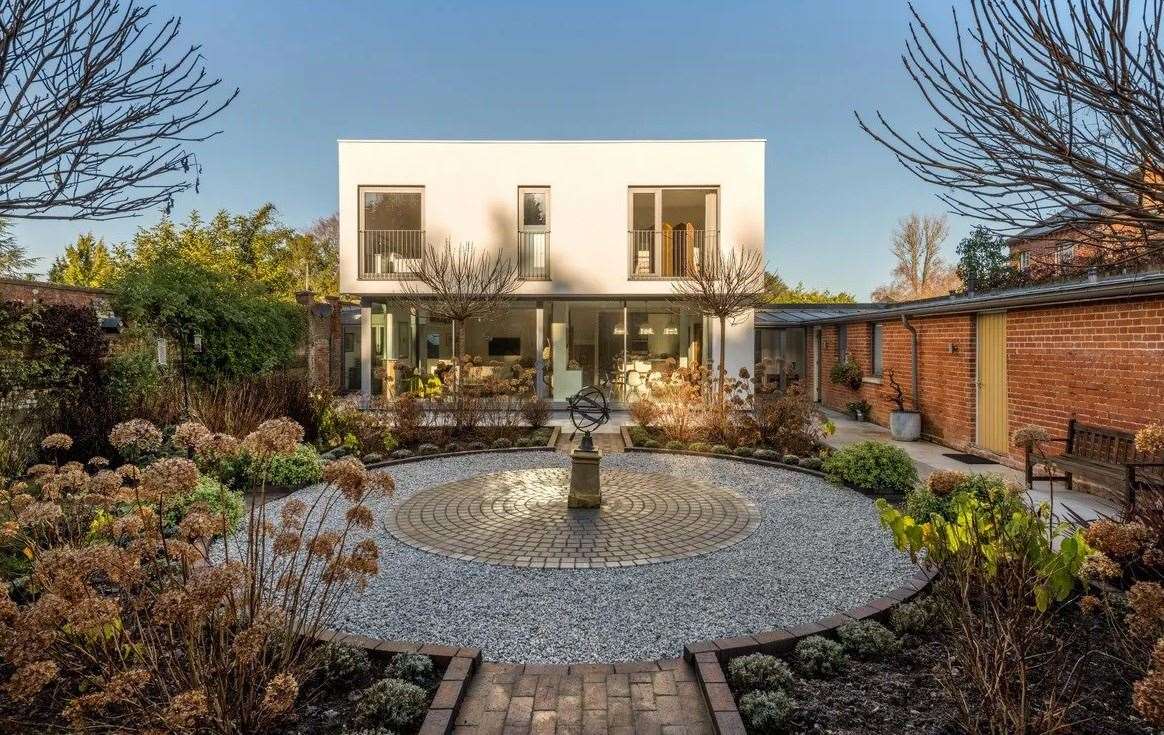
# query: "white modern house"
(599, 229)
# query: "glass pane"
(533, 209)
(643, 215)
(683, 207)
(392, 210)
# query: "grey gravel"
(819, 549)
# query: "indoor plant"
(904, 425)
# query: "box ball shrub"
(743, 451)
(767, 454)
(415, 668)
(476, 446)
(812, 463)
(401, 454)
(393, 703)
(759, 671)
(819, 657)
(651, 444)
(522, 442)
(701, 447)
(791, 459)
(766, 712)
(868, 639)
(219, 499)
(303, 467)
(502, 443)
(453, 447)
(915, 617)
(721, 449)
(873, 466)
(372, 458)
(426, 449)
(342, 665)
(676, 445)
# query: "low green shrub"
(476, 446)
(743, 451)
(868, 639)
(677, 445)
(721, 449)
(523, 442)
(218, 498)
(936, 498)
(427, 449)
(921, 503)
(453, 447)
(502, 443)
(812, 463)
(759, 671)
(650, 444)
(372, 458)
(766, 712)
(341, 666)
(873, 466)
(701, 447)
(916, 617)
(304, 467)
(819, 657)
(412, 667)
(401, 454)
(393, 703)
(769, 455)
(791, 459)
(638, 435)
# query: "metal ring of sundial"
(588, 411)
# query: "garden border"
(550, 446)
(710, 656)
(459, 666)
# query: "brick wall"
(1101, 363)
(49, 293)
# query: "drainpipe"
(913, 344)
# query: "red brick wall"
(49, 293)
(1101, 363)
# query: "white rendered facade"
(600, 230)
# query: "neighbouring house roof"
(797, 315)
(1081, 214)
(1103, 288)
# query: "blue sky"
(792, 72)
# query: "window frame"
(1024, 260)
(842, 341)
(521, 225)
(361, 210)
(393, 189)
(1065, 254)
(876, 349)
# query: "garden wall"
(1100, 363)
(13, 289)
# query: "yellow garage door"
(992, 432)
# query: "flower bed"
(638, 438)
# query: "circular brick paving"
(519, 518)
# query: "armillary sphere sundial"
(588, 410)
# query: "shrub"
(372, 458)
(454, 447)
(847, 373)
(524, 442)
(743, 451)
(721, 449)
(536, 412)
(294, 470)
(701, 447)
(476, 446)
(812, 463)
(944, 482)
(868, 639)
(914, 617)
(820, 657)
(415, 668)
(791, 459)
(766, 712)
(638, 435)
(341, 666)
(874, 466)
(427, 449)
(1123, 542)
(502, 443)
(401, 454)
(921, 503)
(759, 671)
(644, 412)
(1145, 619)
(216, 497)
(789, 423)
(767, 454)
(650, 444)
(677, 445)
(393, 703)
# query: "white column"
(540, 337)
(366, 355)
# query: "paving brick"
(642, 696)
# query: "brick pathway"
(609, 442)
(651, 698)
(519, 518)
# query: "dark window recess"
(842, 342)
(504, 346)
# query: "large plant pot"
(905, 426)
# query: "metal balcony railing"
(670, 253)
(533, 255)
(390, 253)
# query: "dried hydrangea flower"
(1099, 567)
(98, 462)
(349, 475)
(57, 442)
(1148, 697)
(185, 711)
(282, 691)
(360, 516)
(217, 446)
(169, 477)
(276, 436)
(190, 434)
(136, 435)
(1028, 436)
(30, 679)
(1150, 439)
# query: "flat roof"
(797, 314)
(552, 141)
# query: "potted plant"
(847, 373)
(904, 425)
(859, 409)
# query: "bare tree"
(919, 271)
(1050, 112)
(726, 287)
(99, 107)
(459, 283)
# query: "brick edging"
(459, 666)
(710, 656)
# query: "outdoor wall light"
(670, 330)
(619, 330)
(646, 331)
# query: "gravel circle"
(819, 549)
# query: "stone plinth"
(585, 487)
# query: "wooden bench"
(1104, 457)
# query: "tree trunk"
(458, 341)
(722, 357)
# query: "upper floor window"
(533, 231)
(671, 229)
(391, 230)
(1065, 254)
(1024, 260)
(876, 348)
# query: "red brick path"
(643, 697)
